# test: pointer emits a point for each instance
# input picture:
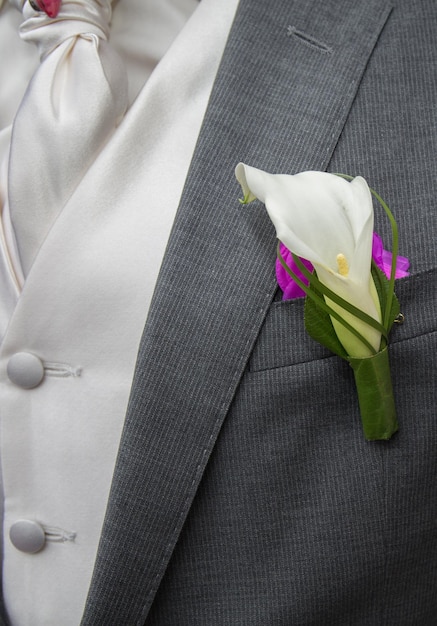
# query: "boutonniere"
(328, 252)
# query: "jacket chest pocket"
(283, 341)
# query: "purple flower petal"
(383, 259)
(290, 289)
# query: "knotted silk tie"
(75, 100)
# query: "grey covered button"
(27, 536)
(25, 370)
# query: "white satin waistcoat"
(81, 312)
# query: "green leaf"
(383, 288)
(319, 326)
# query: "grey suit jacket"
(245, 493)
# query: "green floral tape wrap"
(375, 395)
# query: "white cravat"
(102, 256)
(74, 102)
(141, 33)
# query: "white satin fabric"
(140, 34)
(82, 309)
(75, 100)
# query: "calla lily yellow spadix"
(328, 221)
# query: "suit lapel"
(282, 95)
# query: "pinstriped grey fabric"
(391, 138)
(3, 618)
(274, 532)
(291, 521)
(298, 520)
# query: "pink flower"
(383, 259)
(290, 289)
(51, 7)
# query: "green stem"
(375, 395)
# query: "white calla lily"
(328, 221)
